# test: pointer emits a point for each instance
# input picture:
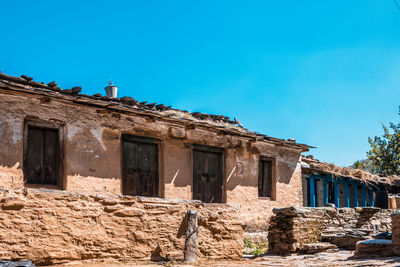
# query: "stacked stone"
(52, 226)
(396, 233)
(292, 229)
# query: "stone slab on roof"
(315, 166)
(129, 104)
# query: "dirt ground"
(340, 258)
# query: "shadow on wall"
(94, 153)
(242, 174)
(285, 172)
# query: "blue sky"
(323, 72)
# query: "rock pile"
(292, 228)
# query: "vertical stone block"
(396, 232)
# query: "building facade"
(325, 184)
(66, 140)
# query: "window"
(42, 155)
(265, 178)
(139, 166)
(207, 174)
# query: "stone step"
(373, 248)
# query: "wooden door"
(207, 174)
(41, 161)
(139, 166)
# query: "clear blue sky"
(323, 72)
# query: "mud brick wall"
(92, 153)
(290, 228)
(50, 226)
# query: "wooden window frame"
(273, 182)
(149, 140)
(61, 181)
(213, 149)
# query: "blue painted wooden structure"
(371, 197)
(364, 195)
(335, 181)
(346, 195)
(355, 188)
(336, 191)
(325, 191)
(312, 191)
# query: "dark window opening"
(265, 178)
(42, 156)
(331, 192)
(382, 199)
(139, 166)
(207, 174)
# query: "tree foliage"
(384, 155)
(363, 164)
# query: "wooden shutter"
(41, 162)
(139, 166)
(207, 174)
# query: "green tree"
(364, 164)
(384, 155)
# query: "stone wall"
(291, 228)
(51, 226)
(396, 233)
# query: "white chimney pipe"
(111, 90)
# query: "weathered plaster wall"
(52, 226)
(93, 155)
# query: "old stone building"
(66, 140)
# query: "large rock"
(374, 248)
(313, 248)
(385, 235)
(347, 241)
(24, 263)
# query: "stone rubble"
(292, 227)
(348, 241)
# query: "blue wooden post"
(312, 192)
(325, 191)
(371, 197)
(364, 196)
(336, 187)
(355, 195)
(346, 195)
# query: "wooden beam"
(355, 194)
(312, 191)
(371, 197)
(336, 187)
(346, 195)
(364, 196)
(325, 192)
(191, 237)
